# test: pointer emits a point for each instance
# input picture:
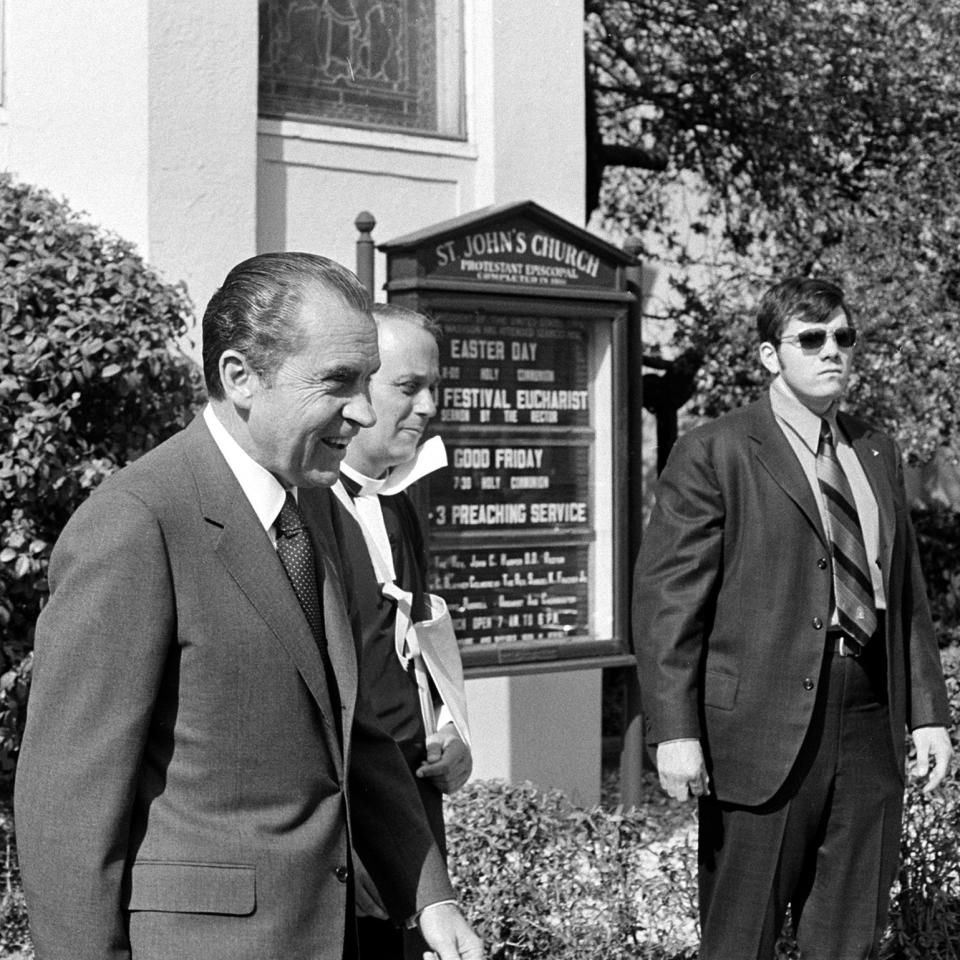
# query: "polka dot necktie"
(296, 554)
(853, 588)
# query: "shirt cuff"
(413, 921)
(444, 716)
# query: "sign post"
(528, 525)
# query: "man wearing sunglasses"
(785, 646)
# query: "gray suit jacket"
(182, 790)
(732, 599)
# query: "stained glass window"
(394, 64)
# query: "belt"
(840, 644)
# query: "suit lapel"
(316, 506)
(239, 541)
(776, 455)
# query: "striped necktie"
(853, 588)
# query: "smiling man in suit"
(785, 645)
(197, 761)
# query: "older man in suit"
(785, 644)
(197, 760)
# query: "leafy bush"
(925, 910)
(540, 878)
(14, 932)
(88, 382)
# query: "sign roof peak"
(491, 216)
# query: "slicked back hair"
(797, 298)
(257, 309)
(393, 311)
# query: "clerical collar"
(430, 456)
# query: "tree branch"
(621, 155)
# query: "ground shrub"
(540, 878)
(925, 909)
(88, 381)
(14, 932)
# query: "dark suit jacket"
(182, 791)
(732, 598)
(391, 689)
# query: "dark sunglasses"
(846, 337)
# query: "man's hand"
(683, 773)
(448, 762)
(932, 743)
(448, 935)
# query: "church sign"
(518, 254)
(524, 545)
(513, 247)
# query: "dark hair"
(393, 311)
(797, 298)
(256, 310)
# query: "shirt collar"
(430, 456)
(800, 419)
(265, 493)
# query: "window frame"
(450, 94)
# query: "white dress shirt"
(801, 427)
(264, 491)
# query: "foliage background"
(760, 138)
(88, 382)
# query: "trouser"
(826, 845)
(382, 940)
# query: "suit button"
(817, 623)
(807, 683)
(822, 563)
(342, 874)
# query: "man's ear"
(239, 380)
(769, 357)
